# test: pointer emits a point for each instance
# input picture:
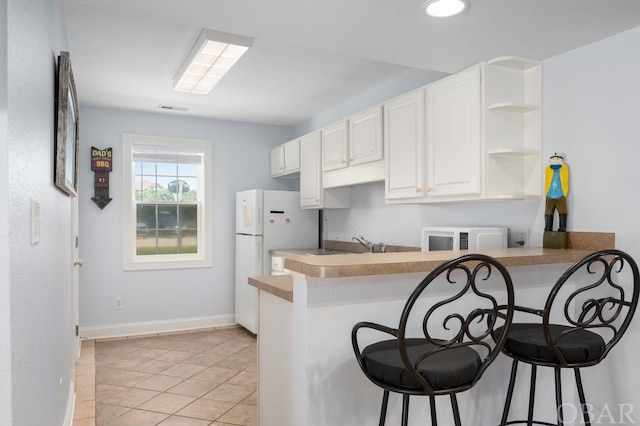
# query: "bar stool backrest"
(598, 293)
(459, 304)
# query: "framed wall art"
(66, 158)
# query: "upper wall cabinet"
(365, 137)
(514, 128)
(312, 193)
(335, 146)
(474, 135)
(454, 136)
(405, 150)
(285, 160)
(352, 149)
(482, 140)
(434, 153)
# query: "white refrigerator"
(266, 220)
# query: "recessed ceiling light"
(444, 8)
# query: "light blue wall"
(5, 284)
(240, 162)
(36, 323)
(404, 83)
(591, 108)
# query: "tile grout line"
(232, 395)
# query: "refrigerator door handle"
(259, 255)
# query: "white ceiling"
(310, 55)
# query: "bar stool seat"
(526, 341)
(445, 370)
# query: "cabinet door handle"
(418, 189)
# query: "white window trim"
(133, 262)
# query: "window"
(167, 203)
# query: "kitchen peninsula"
(307, 371)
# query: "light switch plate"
(35, 222)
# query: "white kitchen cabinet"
(482, 139)
(335, 146)
(312, 193)
(285, 160)
(365, 136)
(352, 150)
(404, 147)
(454, 136)
(356, 140)
(514, 128)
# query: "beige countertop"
(363, 264)
(355, 265)
(278, 285)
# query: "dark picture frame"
(67, 138)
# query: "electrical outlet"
(117, 303)
(519, 238)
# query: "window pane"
(167, 169)
(188, 170)
(166, 229)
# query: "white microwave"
(457, 238)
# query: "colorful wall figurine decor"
(101, 164)
(556, 190)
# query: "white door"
(77, 263)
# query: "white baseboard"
(152, 327)
(71, 405)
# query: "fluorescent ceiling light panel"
(445, 8)
(212, 56)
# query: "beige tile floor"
(206, 378)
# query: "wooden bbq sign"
(101, 164)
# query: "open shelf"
(515, 152)
(514, 62)
(513, 107)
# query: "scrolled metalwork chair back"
(464, 317)
(599, 294)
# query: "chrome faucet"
(364, 242)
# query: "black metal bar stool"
(577, 326)
(443, 343)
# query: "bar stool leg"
(583, 402)
(559, 397)
(434, 417)
(512, 382)
(383, 411)
(405, 410)
(532, 394)
(456, 411)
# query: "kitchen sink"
(321, 252)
